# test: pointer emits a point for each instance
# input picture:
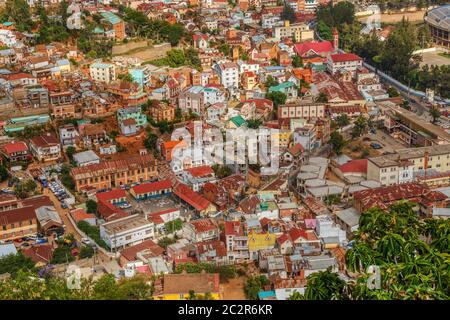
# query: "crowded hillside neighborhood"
(109, 110)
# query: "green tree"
(86, 252)
(166, 241)
(254, 285)
(62, 254)
(4, 174)
(278, 98)
(106, 288)
(24, 189)
(91, 206)
(125, 77)
(18, 11)
(222, 171)
(70, 151)
(324, 31)
(435, 113)
(342, 120)
(337, 142)
(13, 263)
(270, 82)
(322, 97)
(359, 127)
(392, 92)
(297, 62)
(325, 285)
(253, 123)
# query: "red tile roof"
(233, 228)
(44, 140)
(130, 253)
(111, 195)
(13, 147)
(191, 197)
(39, 254)
(354, 166)
(152, 186)
(17, 215)
(317, 47)
(200, 171)
(341, 57)
(203, 225)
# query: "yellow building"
(261, 241)
(180, 286)
(284, 136)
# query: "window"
(148, 231)
(4, 227)
(128, 238)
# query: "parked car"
(41, 241)
(375, 145)
(125, 206)
(85, 241)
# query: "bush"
(62, 255)
(93, 233)
(86, 252)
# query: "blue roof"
(63, 62)
(111, 17)
(266, 294)
(7, 23)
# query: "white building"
(8, 38)
(343, 62)
(245, 66)
(269, 21)
(86, 158)
(102, 72)
(126, 231)
(228, 73)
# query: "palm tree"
(324, 285)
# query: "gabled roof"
(317, 47)
(191, 197)
(111, 195)
(341, 57)
(13, 147)
(354, 166)
(152, 186)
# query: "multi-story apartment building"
(307, 137)
(134, 113)
(117, 25)
(16, 151)
(102, 72)
(126, 231)
(68, 135)
(228, 73)
(45, 147)
(162, 111)
(38, 97)
(402, 166)
(18, 223)
(236, 241)
(201, 230)
(301, 110)
(298, 31)
(115, 173)
(343, 62)
(191, 99)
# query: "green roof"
(111, 17)
(238, 121)
(282, 86)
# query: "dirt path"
(397, 17)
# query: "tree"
(435, 113)
(325, 285)
(278, 98)
(135, 288)
(24, 189)
(322, 97)
(166, 241)
(106, 288)
(221, 171)
(91, 206)
(254, 285)
(4, 174)
(151, 141)
(324, 31)
(270, 82)
(297, 62)
(125, 77)
(70, 152)
(86, 252)
(68, 182)
(174, 225)
(253, 123)
(342, 120)
(13, 263)
(62, 254)
(337, 142)
(288, 14)
(359, 127)
(392, 92)
(18, 11)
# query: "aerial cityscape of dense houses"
(91, 170)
